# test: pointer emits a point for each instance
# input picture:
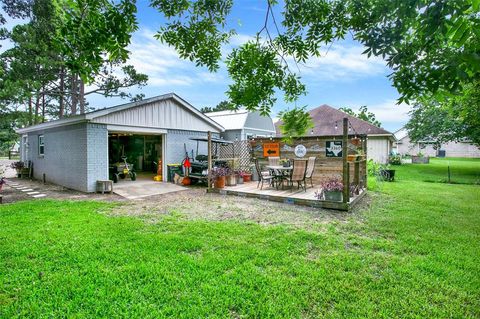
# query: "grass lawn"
(414, 253)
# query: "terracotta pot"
(247, 177)
(220, 182)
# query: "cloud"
(389, 112)
(163, 65)
(342, 63)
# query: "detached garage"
(76, 152)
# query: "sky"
(341, 77)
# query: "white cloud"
(163, 65)
(388, 111)
(342, 63)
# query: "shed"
(77, 151)
(328, 120)
(242, 124)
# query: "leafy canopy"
(363, 114)
(295, 122)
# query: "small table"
(105, 186)
(282, 172)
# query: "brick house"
(77, 151)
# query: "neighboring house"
(240, 125)
(77, 151)
(404, 146)
(328, 121)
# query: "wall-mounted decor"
(258, 148)
(271, 149)
(333, 148)
(300, 150)
(287, 148)
(315, 148)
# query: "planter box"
(420, 159)
(333, 196)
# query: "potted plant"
(332, 190)
(351, 157)
(355, 141)
(18, 166)
(247, 176)
(219, 176)
(360, 154)
(240, 176)
(231, 179)
(395, 159)
(285, 162)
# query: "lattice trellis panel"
(240, 151)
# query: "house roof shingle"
(324, 118)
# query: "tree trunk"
(74, 94)
(43, 105)
(61, 102)
(30, 111)
(81, 96)
(37, 107)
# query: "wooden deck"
(295, 196)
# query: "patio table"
(280, 172)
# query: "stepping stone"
(27, 190)
(20, 188)
(33, 193)
(39, 195)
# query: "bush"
(395, 160)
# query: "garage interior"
(144, 151)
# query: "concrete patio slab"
(144, 188)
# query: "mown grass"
(412, 254)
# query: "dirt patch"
(199, 205)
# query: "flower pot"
(355, 141)
(351, 158)
(220, 182)
(186, 181)
(239, 179)
(333, 196)
(231, 180)
(247, 178)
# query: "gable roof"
(230, 120)
(325, 117)
(105, 111)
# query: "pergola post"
(346, 186)
(209, 160)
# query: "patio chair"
(310, 169)
(298, 173)
(263, 176)
(273, 160)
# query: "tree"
(432, 46)
(363, 114)
(222, 106)
(295, 122)
(456, 118)
(63, 46)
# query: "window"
(41, 145)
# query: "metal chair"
(310, 169)
(263, 176)
(298, 174)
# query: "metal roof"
(230, 120)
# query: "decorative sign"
(300, 150)
(333, 148)
(287, 148)
(271, 149)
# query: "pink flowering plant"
(332, 185)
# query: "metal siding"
(257, 121)
(175, 140)
(166, 114)
(378, 149)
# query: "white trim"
(52, 124)
(164, 162)
(135, 129)
(259, 129)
